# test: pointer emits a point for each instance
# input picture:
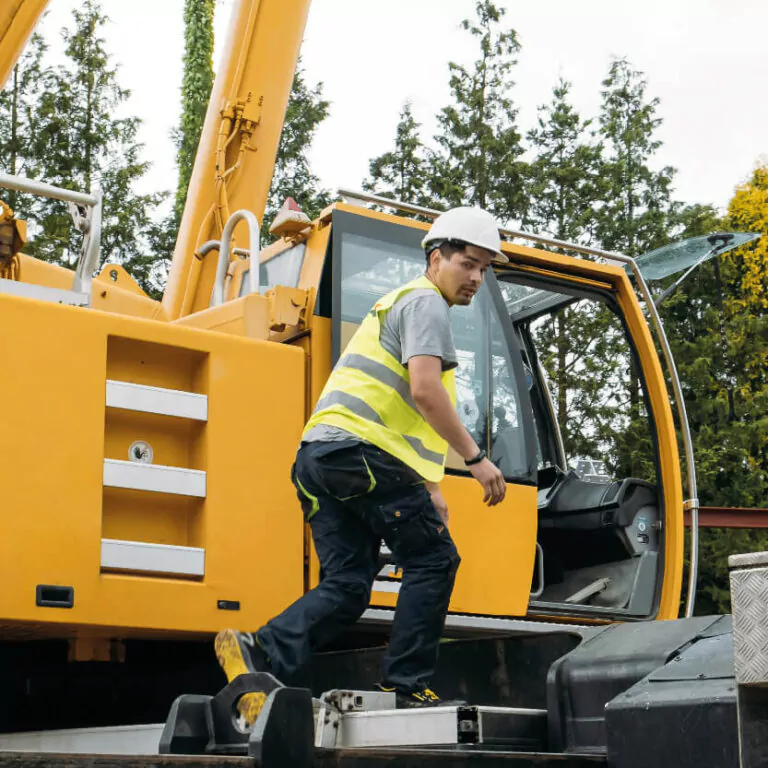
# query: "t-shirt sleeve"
(424, 326)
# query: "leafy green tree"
(195, 90)
(84, 145)
(694, 220)
(293, 176)
(718, 330)
(402, 172)
(477, 160)
(748, 211)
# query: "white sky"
(705, 59)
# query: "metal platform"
(323, 758)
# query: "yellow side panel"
(497, 547)
(42, 273)
(55, 431)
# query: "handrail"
(89, 223)
(400, 205)
(34, 187)
(254, 231)
(690, 505)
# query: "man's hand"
(437, 499)
(492, 480)
(435, 405)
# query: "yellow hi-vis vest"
(369, 395)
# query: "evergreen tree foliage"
(19, 146)
(582, 346)
(477, 160)
(195, 90)
(634, 216)
(293, 176)
(401, 173)
(86, 144)
(562, 180)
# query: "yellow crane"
(146, 446)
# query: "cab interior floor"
(611, 584)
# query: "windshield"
(375, 257)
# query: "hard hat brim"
(497, 258)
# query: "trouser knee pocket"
(415, 532)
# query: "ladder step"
(117, 555)
(154, 477)
(166, 402)
(521, 729)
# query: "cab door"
(371, 255)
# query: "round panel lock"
(141, 451)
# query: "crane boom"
(17, 20)
(236, 155)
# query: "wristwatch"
(476, 459)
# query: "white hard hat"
(468, 225)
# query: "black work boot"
(425, 697)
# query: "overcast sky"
(705, 59)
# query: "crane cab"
(557, 369)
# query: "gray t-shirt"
(417, 324)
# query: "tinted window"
(283, 269)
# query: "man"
(368, 468)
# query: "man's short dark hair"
(447, 249)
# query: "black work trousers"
(354, 496)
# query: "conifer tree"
(634, 217)
(84, 145)
(581, 343)
(477, 161)
(19, 149)
(293, 176)
(195, 91)
(402, 172)
(562, 180)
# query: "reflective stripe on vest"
(369, 395)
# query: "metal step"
(165, 402)
(119, 740)
(145, 557)
(462, 757)
(154, 477)
(491, 624)
(516, 729)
